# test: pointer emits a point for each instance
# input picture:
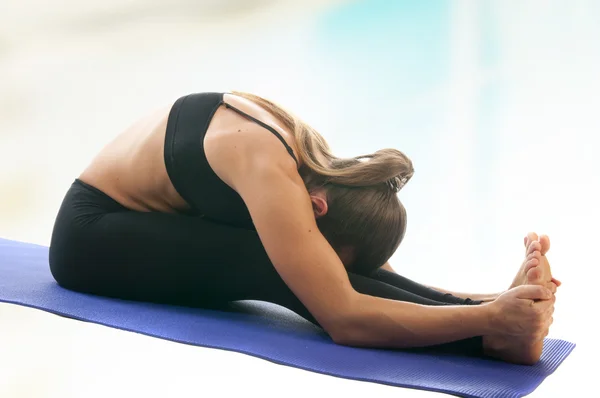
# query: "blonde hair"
(387, 166)
(364, 213)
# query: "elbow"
(362, 325)
(345, 339)
(351, 336)
(347, 330)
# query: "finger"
(546, 313)
(556, 281)
(552, 287)
(547, 303)
(544, 332)
(533, 292)
(542, 309)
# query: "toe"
(534, 275)
(531, 236)
(535, 254)
(545, 244)
(531, 263)
(534, 246)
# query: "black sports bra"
(188, 167)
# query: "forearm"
(386, 323)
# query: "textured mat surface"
(272, 333)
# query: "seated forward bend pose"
(223, 197)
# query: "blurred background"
(496, 102)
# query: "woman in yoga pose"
(224, 197)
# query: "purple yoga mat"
(270, 332)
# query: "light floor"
(46, 356)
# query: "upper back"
(131, 168)
(233, 139)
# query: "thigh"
(160, 257)
(100, 247)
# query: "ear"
(319, 203)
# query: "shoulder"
(238, 148)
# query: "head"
(355, 200)
(362, 218)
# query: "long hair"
(364, 212)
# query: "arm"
(313, 271)
(477, 297)
(257, 167)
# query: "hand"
(524, 311)
(553, 285)
(556, 282)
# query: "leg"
(180, 260)
(99, 247)
(416, 288)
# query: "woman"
(224, 197)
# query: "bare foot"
(544, 264)
(545, 275)
(535, 270)
(543, 239)
(531, 271)
(545, 242)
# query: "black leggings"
(100, 247)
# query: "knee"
(62, 268)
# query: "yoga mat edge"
(275, 335)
